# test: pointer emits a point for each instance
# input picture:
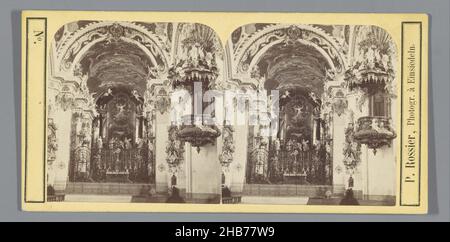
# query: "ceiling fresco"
(293, 66)
(118, 63)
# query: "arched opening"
(117, 73)
(297, 152)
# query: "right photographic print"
(318, 124)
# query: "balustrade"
(374, 132)
(291, 164)
(121, 165)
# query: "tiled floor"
(336, 201)
(97, 198)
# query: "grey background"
(438, 102)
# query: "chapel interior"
(116, 129)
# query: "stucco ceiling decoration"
(110, 64)
(294, 67)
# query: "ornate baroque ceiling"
(115, 64)
(293, 66)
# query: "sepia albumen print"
(165, 113)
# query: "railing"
(231, 200)
(121, 165)
(304, 167)
(120, 160)
(374, 122)
(294, 161)
(374, 131)
(55, 198)
(294, 164)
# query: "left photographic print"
(111, 132)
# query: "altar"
(117, 176)
(294, 178)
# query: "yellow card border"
(39, 77)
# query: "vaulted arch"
(248, 53)
(73, 47)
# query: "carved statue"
(174, 149)
(99, 143)
(352, 149)
(52, 144)
(259, 158)
(127, 143)
(226, 157)
(277, 145)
